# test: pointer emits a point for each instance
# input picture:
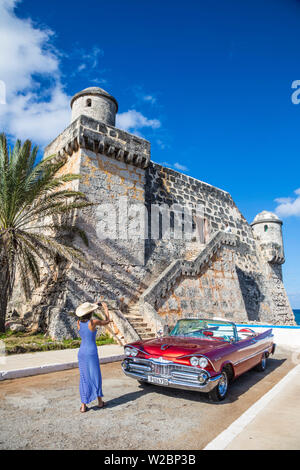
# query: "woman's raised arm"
(106, 313)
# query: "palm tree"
(36, 218)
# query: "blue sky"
(209, 83)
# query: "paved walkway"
(22, 365)
(272, 423)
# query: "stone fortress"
(226, 268)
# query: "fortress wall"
(241, 286)
(117, 190)
(115, 266)
(119, 178)
(166, 186)
(225, 291)
(238, 285)
(214, 293)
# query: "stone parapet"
(87, 133)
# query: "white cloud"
(288, 206)
(81, 67)
(37, 106)
(176, 166)
(161, 144)
(133, 120)
(150, 99)
(180, 167)
(89, 60)
(93, 56)
(284, 200)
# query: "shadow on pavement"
(121, 400)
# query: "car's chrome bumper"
(175, 376)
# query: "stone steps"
(143, 330)
(132, 318)
(191, 255)
(138, 323)
(192, 251)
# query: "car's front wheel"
(220, 391)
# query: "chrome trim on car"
(141, 367)
(251, 355)
(177, 375)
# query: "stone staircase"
(192, 264)
(138, 322)
(193, 251)
(195, 259)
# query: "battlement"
(88, 133)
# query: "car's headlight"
(194, 361)
(199, 361)
(203, 362)
(130, 351)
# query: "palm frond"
(37, 213)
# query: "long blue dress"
(90, 386)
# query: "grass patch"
(20, 343)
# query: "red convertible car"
(204, 355)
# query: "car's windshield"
(201, 328)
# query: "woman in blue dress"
(90, 386)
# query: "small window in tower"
(266, 228)
(88, 103)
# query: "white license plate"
(157, 380)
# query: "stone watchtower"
(267, 228)
(95, 103)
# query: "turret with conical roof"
(96, 103)
(267, 228)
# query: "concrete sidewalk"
(23, 365)
(272, 423)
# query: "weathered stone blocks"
(233, 270)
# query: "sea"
(297, 316)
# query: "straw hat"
(86, 308)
